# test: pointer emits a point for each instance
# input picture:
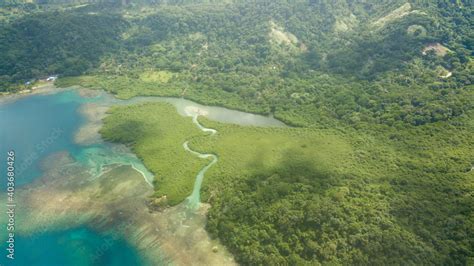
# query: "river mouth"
(79, 190)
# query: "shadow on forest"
(293, 172)
(434, 207)
(125, 132)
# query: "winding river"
(85, 199)
(194, 199)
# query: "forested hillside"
(387, 85)
(55, 43)
(261, 54)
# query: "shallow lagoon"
(78, 246)
(76, 192)
(36, 127)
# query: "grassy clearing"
(395, 14)
(156, 76)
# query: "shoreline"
(56, 203)
(49, 88)
(192, 99)
(52, 88)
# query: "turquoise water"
(194, 199)
(79, 246)
(95, 157)
(35, 127)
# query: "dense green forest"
(307, 195)
(378, 73)
(55, 43)
(377, 168)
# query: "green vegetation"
(307, 196)
(54, 43)
(156, 76)
(370, 73)
(301, 195)
(156, 133)
(379, 168)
